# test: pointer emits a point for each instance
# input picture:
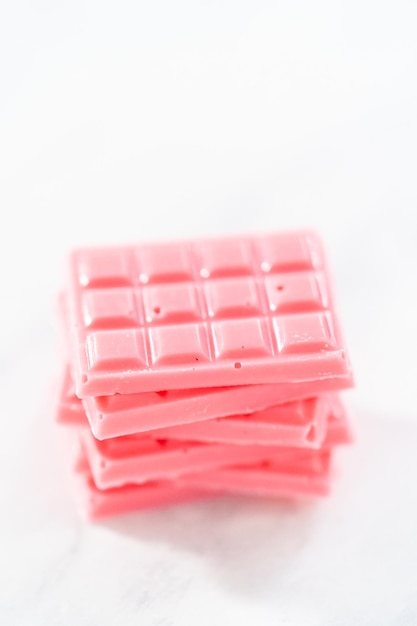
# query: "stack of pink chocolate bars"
(202, 367)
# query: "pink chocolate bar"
(225, 312)
(112, 416)
(139, 458)
(300, 423)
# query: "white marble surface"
(127, 121)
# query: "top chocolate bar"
(228, 311)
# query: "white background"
(128, 121)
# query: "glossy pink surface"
(232, 311)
